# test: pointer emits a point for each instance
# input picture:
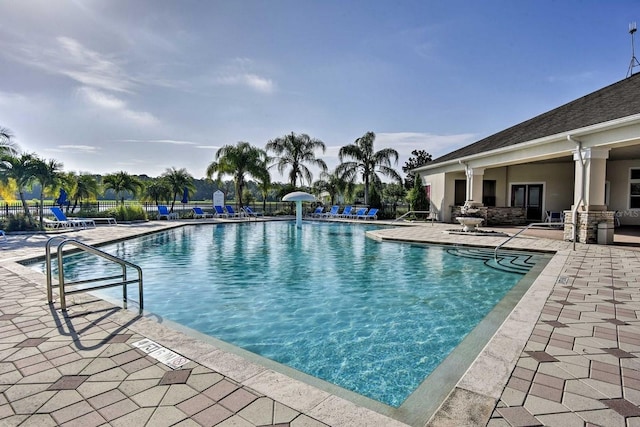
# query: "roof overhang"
(615, 133)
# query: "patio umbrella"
(185, 196)
(62, 198)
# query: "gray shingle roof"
(618, 100)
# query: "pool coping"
(474, 396)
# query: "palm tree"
(294, 151)
(238, 161)
(333, 184)
(48, 174)
(264, 183)
(86, 188)
(177, 180)
(121, 182)
(365, 161)
(7, 146)
(22, 170)
(156, 190)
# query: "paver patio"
(574, 363)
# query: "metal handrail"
(431, 217)
(90, 249)
(547, 224)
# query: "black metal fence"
(271, 208)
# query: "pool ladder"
(112, 281)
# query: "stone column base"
(587, 225)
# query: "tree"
(394, 193)
(7, 146)
(365, 162)
(417, 196)
(177, 180)
(264, 183)
(294, 151)
(121, 183)
(86, 188)
(238, 161)
(156, 190)
(22, 170)
(333, 184)
(48, 174)
(420, 158)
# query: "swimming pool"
(372, 317)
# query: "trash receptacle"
(605, 234)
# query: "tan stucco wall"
(618, 177)
(556, 177)
(437, 182)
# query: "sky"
(142, 86)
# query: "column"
(589, 192)
(474, 185)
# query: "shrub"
(19, 222)
(131, 212)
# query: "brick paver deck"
(575, 363)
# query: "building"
(581, 159)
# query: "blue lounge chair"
(74, 222)
(163, 212)
(220, 212)
(346, 213)
(332, 213)
(318, 212)
(232, 213)
(360, 212)
(199, 213)
(372, 214)
(250, 212)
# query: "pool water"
(372, 317)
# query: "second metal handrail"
(547, 224)
(122, 279)
(431, 217)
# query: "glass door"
(528, 196)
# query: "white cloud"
(239, 73)
(161, 141)
(82, 148)
(91, 68)
(436, 145)
(252, 81)
(105, 101)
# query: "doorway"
(528, 196)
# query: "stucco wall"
(557, 179)
(618, 177)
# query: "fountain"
(299, 197)
(468, 219)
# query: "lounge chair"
(48, 223)
(346, 212)
(163, 212)
(372, 214)
(220, 212)
(332, 213)
(318, 212)
(251, 213)
(199, 213)
(554, 217)
(360, 212)
(73, 222)
(232, 213)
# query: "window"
(489, 192)
(461, 192)
(634, 189)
